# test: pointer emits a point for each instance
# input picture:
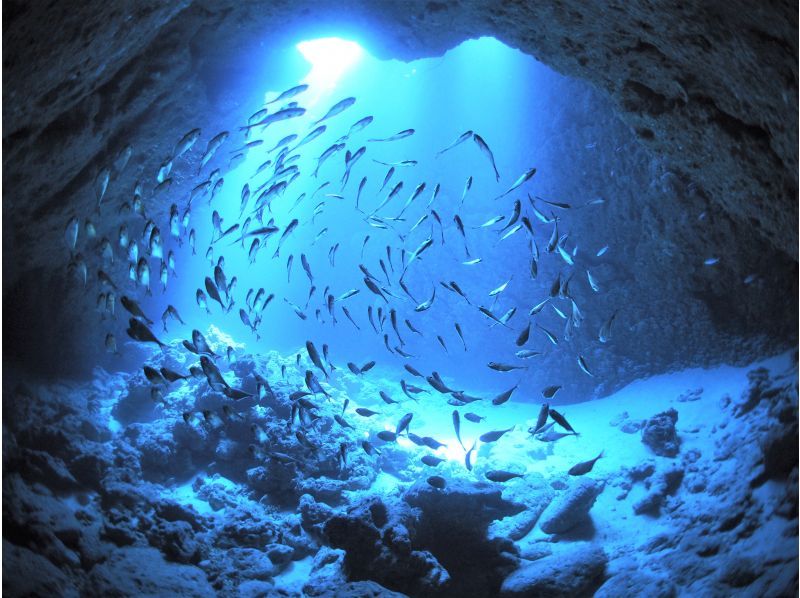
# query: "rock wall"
(710, 89)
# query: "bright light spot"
(330, 58)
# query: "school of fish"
(140, 248)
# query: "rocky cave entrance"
(120, 475)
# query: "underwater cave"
(422, 298)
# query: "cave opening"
(354, 325)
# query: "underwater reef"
(527, 327)
(102, 494)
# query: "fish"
(501, 288)
(306, 267)
(550, 336)
(473, 417)
(201, 344)
(523, 178)
(71, 233)
(171, 312)
(425, 305)
(437, 482)
(387, 436)
(336, 147)
(605, 330)
(502, 367)
(213, 292)
(364, 412)
(403, 423)
(123, 157)
(132, 307)
(467, 187)
(555, 204)
(501, 476)
(459, 140)
(711, 261)
(431, 461)
(172, 376)
(289, 93)
(486, 312)
(561, 421)
(313, 384)
(491, 222)
(310, 137)
(386, 398)
(504, 396)
(541, 420)
(315, 359)
(139, 332)
(602, 250)
(368, 448)
(494, 435)
(467, 457)
(185, 143)
(585, 466)
(111, 344)
(375, 288)
(583, 366)
(283, 114)
(457, 427)
(400, 163)
(401, 135)
(337, 108)
(359, 125)
(484, 148)
(460, 335)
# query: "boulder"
(659, 433)
(636, 583)
(143, 572)
(574, 572)
(570, 508)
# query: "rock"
(177, 541)
(740, 571)
(778, 448)
(574, 572)
(631, 426)
(313, 515)
(517, 526)
(252, 563)
(758, 382)
(363, 589)
(570, 508)
(659, 434)
(327, 572)
(144, 572)
(29, 574)
(636, 583)
(41, 466)
(665, 483)
(254, 588)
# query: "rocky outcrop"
(659, 434)
(570, 508)
(576, 572)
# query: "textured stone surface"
(570, 508)
(573, 572)
(144, 572)
(659, 434)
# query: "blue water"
(482, 86)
